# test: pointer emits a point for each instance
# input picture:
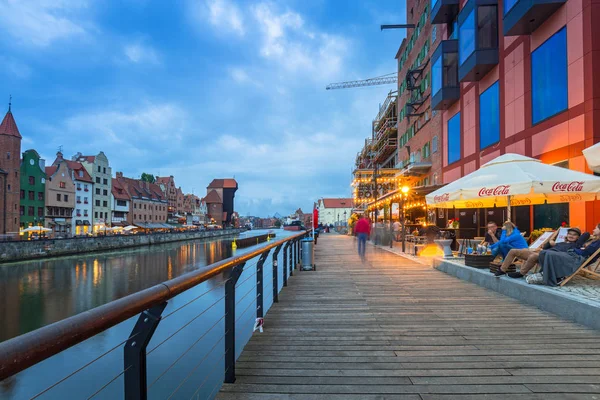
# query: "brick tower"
(10, 163)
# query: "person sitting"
(510, 239)
(573, 240)
(493, 234)
(558, 265)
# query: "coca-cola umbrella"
(515, 180)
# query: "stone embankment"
(27, 250)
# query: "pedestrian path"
(391, 328)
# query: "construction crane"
(380, 80)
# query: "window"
(85, 200)
(79, 186)
(487, 27)
(134, 205)
(454, 139)
(8, 155)
(97, 180)
(97, 203)
(96, 214)
(31, 180)
(104, 170)
(105, 181)
(62, 185)
(31, 195)
(81, 174)
(41, 196)
(433, 33)
(121, 203)
(489, 116)
(105, 204)
(97, 191)
(8, 187)
(99, 168)
(79, 199)
(549, 94)
(105, 192)
(85, 213)
(58, 197)
(85, 188)
(436, 75)
(66, 196)
(40, 211)
(22, 194)
(145, 205)
(30, 211)
(466, 43)
(22, 210)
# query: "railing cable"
(109, 382)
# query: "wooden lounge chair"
(587, 268)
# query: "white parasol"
(515, 180)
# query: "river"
(37, 293)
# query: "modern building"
(225, 193)
(148, 206)
(120, 204)
(99, 169)
(33, 190)
(60, 199)
(81, 223)
(517, 77)
(10, 169)
(335, 211)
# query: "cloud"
(222, 14)
(41, 22)
(139, 53)
(15, 68)
(240, 76)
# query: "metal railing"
(22, 352)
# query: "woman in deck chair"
(557, 265)
(511, 239)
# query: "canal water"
(186, 353)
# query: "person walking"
(397, 227)
(362, 230)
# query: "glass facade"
(487, 27)
(466, 37)
(436, 76)
(489, 116)
(454, 139)
(508, 4)
(549, 90)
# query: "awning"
(175, 226)
(62, 223)
(141, 225)
(78, 222)
(86, 222)
(592, 156)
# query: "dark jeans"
(362, 243)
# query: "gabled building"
(167, 185)
(148, 206)
(99, 169)
(120, 204)
(60, 199)
(225, 193)
(214, 206)
(335, 211)
(33, 190)
(10, 172)
(81, 223)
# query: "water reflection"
(37, 293)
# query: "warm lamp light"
(405, 189)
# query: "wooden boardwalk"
(393, 329)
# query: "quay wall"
(28, 250)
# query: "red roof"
(77, 167)
(163, 179)
(89, 159)
(51, 170)
(223, 183)
(116, 187)
(338, 203)
(213, 197)
(138, 188)
(9, 126)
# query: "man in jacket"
(574, 240)
(362, 230)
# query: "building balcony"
(78, 188)
(478, 39)
(86, 190)
(445, 88)
(78, 201)
(522, 17)
(416, 169)
(443, 11)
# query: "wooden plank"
(390, 328)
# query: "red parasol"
(315, 218)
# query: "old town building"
(121, 203)
(10, 165)
(99, 169)
(219, 199)
(33, 189)
(148, 206)
(60, 199)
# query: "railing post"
(285, 262)
(260, 285)
(232, 279)
(275, 277)
(292, 246)
(134, 353)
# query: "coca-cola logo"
(441, 198)
(574, 186)
(501, 190)
(566, 198)
(520, 202)
(474, 204)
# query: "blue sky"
(202, 89)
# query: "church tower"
(10, 164)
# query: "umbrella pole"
(508, 210)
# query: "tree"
(148, 178)
(278, 224)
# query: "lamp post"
(404, 190)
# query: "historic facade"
(10, 175)
(33, 190)
(60, 199)
(99, 169)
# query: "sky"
(202, 89)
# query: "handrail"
(22, 352)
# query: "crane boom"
(380, 80)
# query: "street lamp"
(345, 219)
(404, 190)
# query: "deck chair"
(587, 268)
